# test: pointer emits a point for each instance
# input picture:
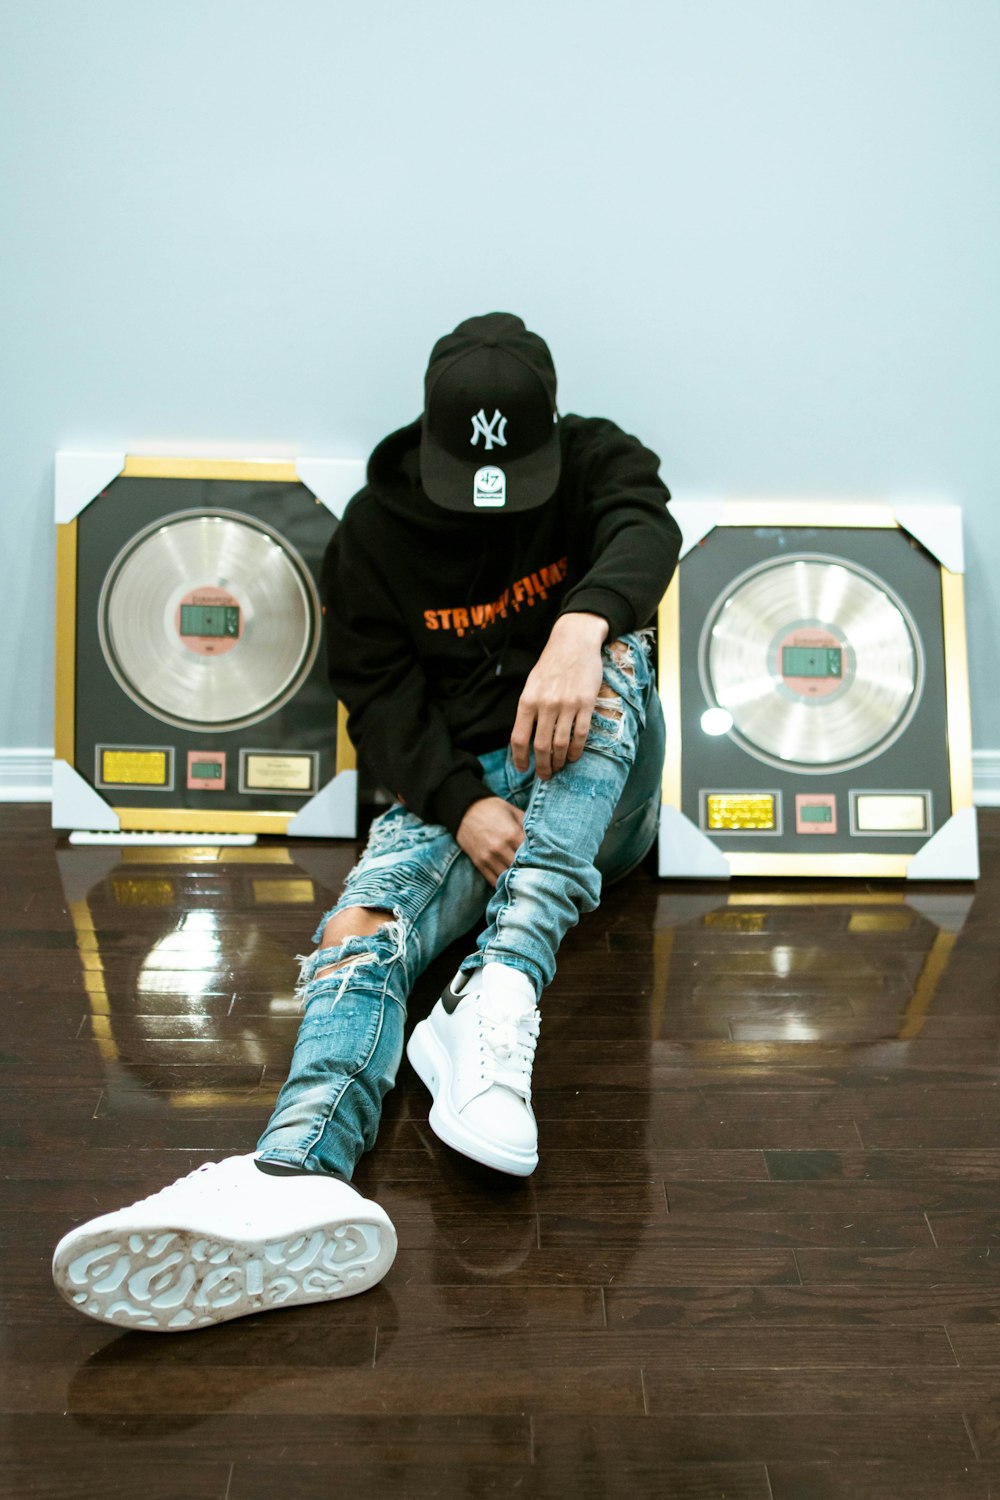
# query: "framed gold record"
(191, 688)
(814, 679)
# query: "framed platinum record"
(814, 679)
(191, 689)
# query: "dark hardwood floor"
(760, 1258)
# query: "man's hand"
(491, 833)
(559, 695)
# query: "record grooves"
(209, 618)
(818, 661)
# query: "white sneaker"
(474, 1052)
(222, 1242)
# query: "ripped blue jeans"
(592, 821)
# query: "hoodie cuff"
(594, 601)
(454, 797)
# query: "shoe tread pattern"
(171, 1280)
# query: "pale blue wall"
(761, 233)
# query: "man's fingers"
(490, 833)
(581, 729)
(520, 739)
(501, 855)
(489, 867)
(504, 856)
(562, 739)
(544, 733)
(492, 868)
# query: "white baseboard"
(26, 776)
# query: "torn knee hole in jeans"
(355, 951)
(621, 655)
(609, 706)
(355, 960)
(609, 714)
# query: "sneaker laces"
(509, 1035)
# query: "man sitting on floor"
(483, 596)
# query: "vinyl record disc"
(209, 618)
(817, 661)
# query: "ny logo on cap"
(483, 428)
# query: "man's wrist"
(583, 623)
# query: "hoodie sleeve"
(628, 541)
(374, 671)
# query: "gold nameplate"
(133, 767)
(891, 813)
(740, 810)
(278, 773)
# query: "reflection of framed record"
(191, 692)
(814, 678)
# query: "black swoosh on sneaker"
(449, 1000)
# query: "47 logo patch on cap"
(489, 487)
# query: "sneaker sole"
(433, 1066)
(166, 1279)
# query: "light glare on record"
(716, 721)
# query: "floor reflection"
(188, 959)
(804, 966)
(120, 1391)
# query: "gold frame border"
(668, 634)
(958, 708)
(182, 820)
(65, 652)
(835, 514)
(851, 866)
(346, 758)
(158, 819)
(956, 673)
(268, 471)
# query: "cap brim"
(530, 481)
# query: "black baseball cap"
(489, 435)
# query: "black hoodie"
(434, 619)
